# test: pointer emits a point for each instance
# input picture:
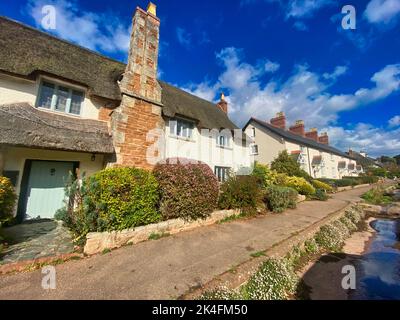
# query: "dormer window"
(60, 98)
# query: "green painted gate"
(45, 194)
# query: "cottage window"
(223, 141)
(254, 149)
(222, 173)
(60, 98)
(181, 128)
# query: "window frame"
(227, 141)
(254, 153)
(54, 99)
(173, 124)
(224, 173)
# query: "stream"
(379, 266)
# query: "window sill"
(224, 147)
(182, 138)
(59, 112)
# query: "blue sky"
(266, 55)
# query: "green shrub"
(188, 190)
(311, 246)
(7, 199)
(112, 199)
(278, 199)
(377, 196)
(350, 225)
(354, 215)
(301, 185)
(264, 175)
(275, 280)
(284, 163)
(319, 195)
(322, 185)
(241, 192)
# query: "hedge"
(301, 185)
(112, 199)
(187, 190)
(278, 199)
(241, 192)
(7, 199)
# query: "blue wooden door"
(46, 188)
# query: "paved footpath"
(169, 267)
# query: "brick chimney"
(140, 110)
(298, 128)
(312, 134)
(324, 138)
(279, 121)
(140, 78)
(223, 104)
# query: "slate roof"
(25, 126)
(289, 136)
(26, 51)
(363, 161)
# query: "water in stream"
(379, 268)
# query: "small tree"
(284, 163)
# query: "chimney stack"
(140, 78)
(312, 134)
(298, 128)
(324, 138)
(279, 121)
(223, 104)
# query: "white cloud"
(271, 67)
(339, 71)
(300, 25)
(376, 141)
(305, 8)
(394, 122)
(184, 38)
(382, 11)
(84, 28)
(303, 95)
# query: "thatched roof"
(179, 102)
(26, 51)
(25, 126)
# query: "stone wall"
(98, 242)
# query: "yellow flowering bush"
(7, 199)
(301, 185)
(322, 185)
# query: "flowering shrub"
(322, 185)
(354, 215)
(275, 280)
(301, 185)
(241, 192)
(220, 294)
(7, 199)
(188, 191)
(278, 199)
(329, 238)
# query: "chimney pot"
(279, 121)
(324, 138)
(312, 134)
(223, 104)
(298, 128)
(152, 9)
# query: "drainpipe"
(2, 160)
(309, 163)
